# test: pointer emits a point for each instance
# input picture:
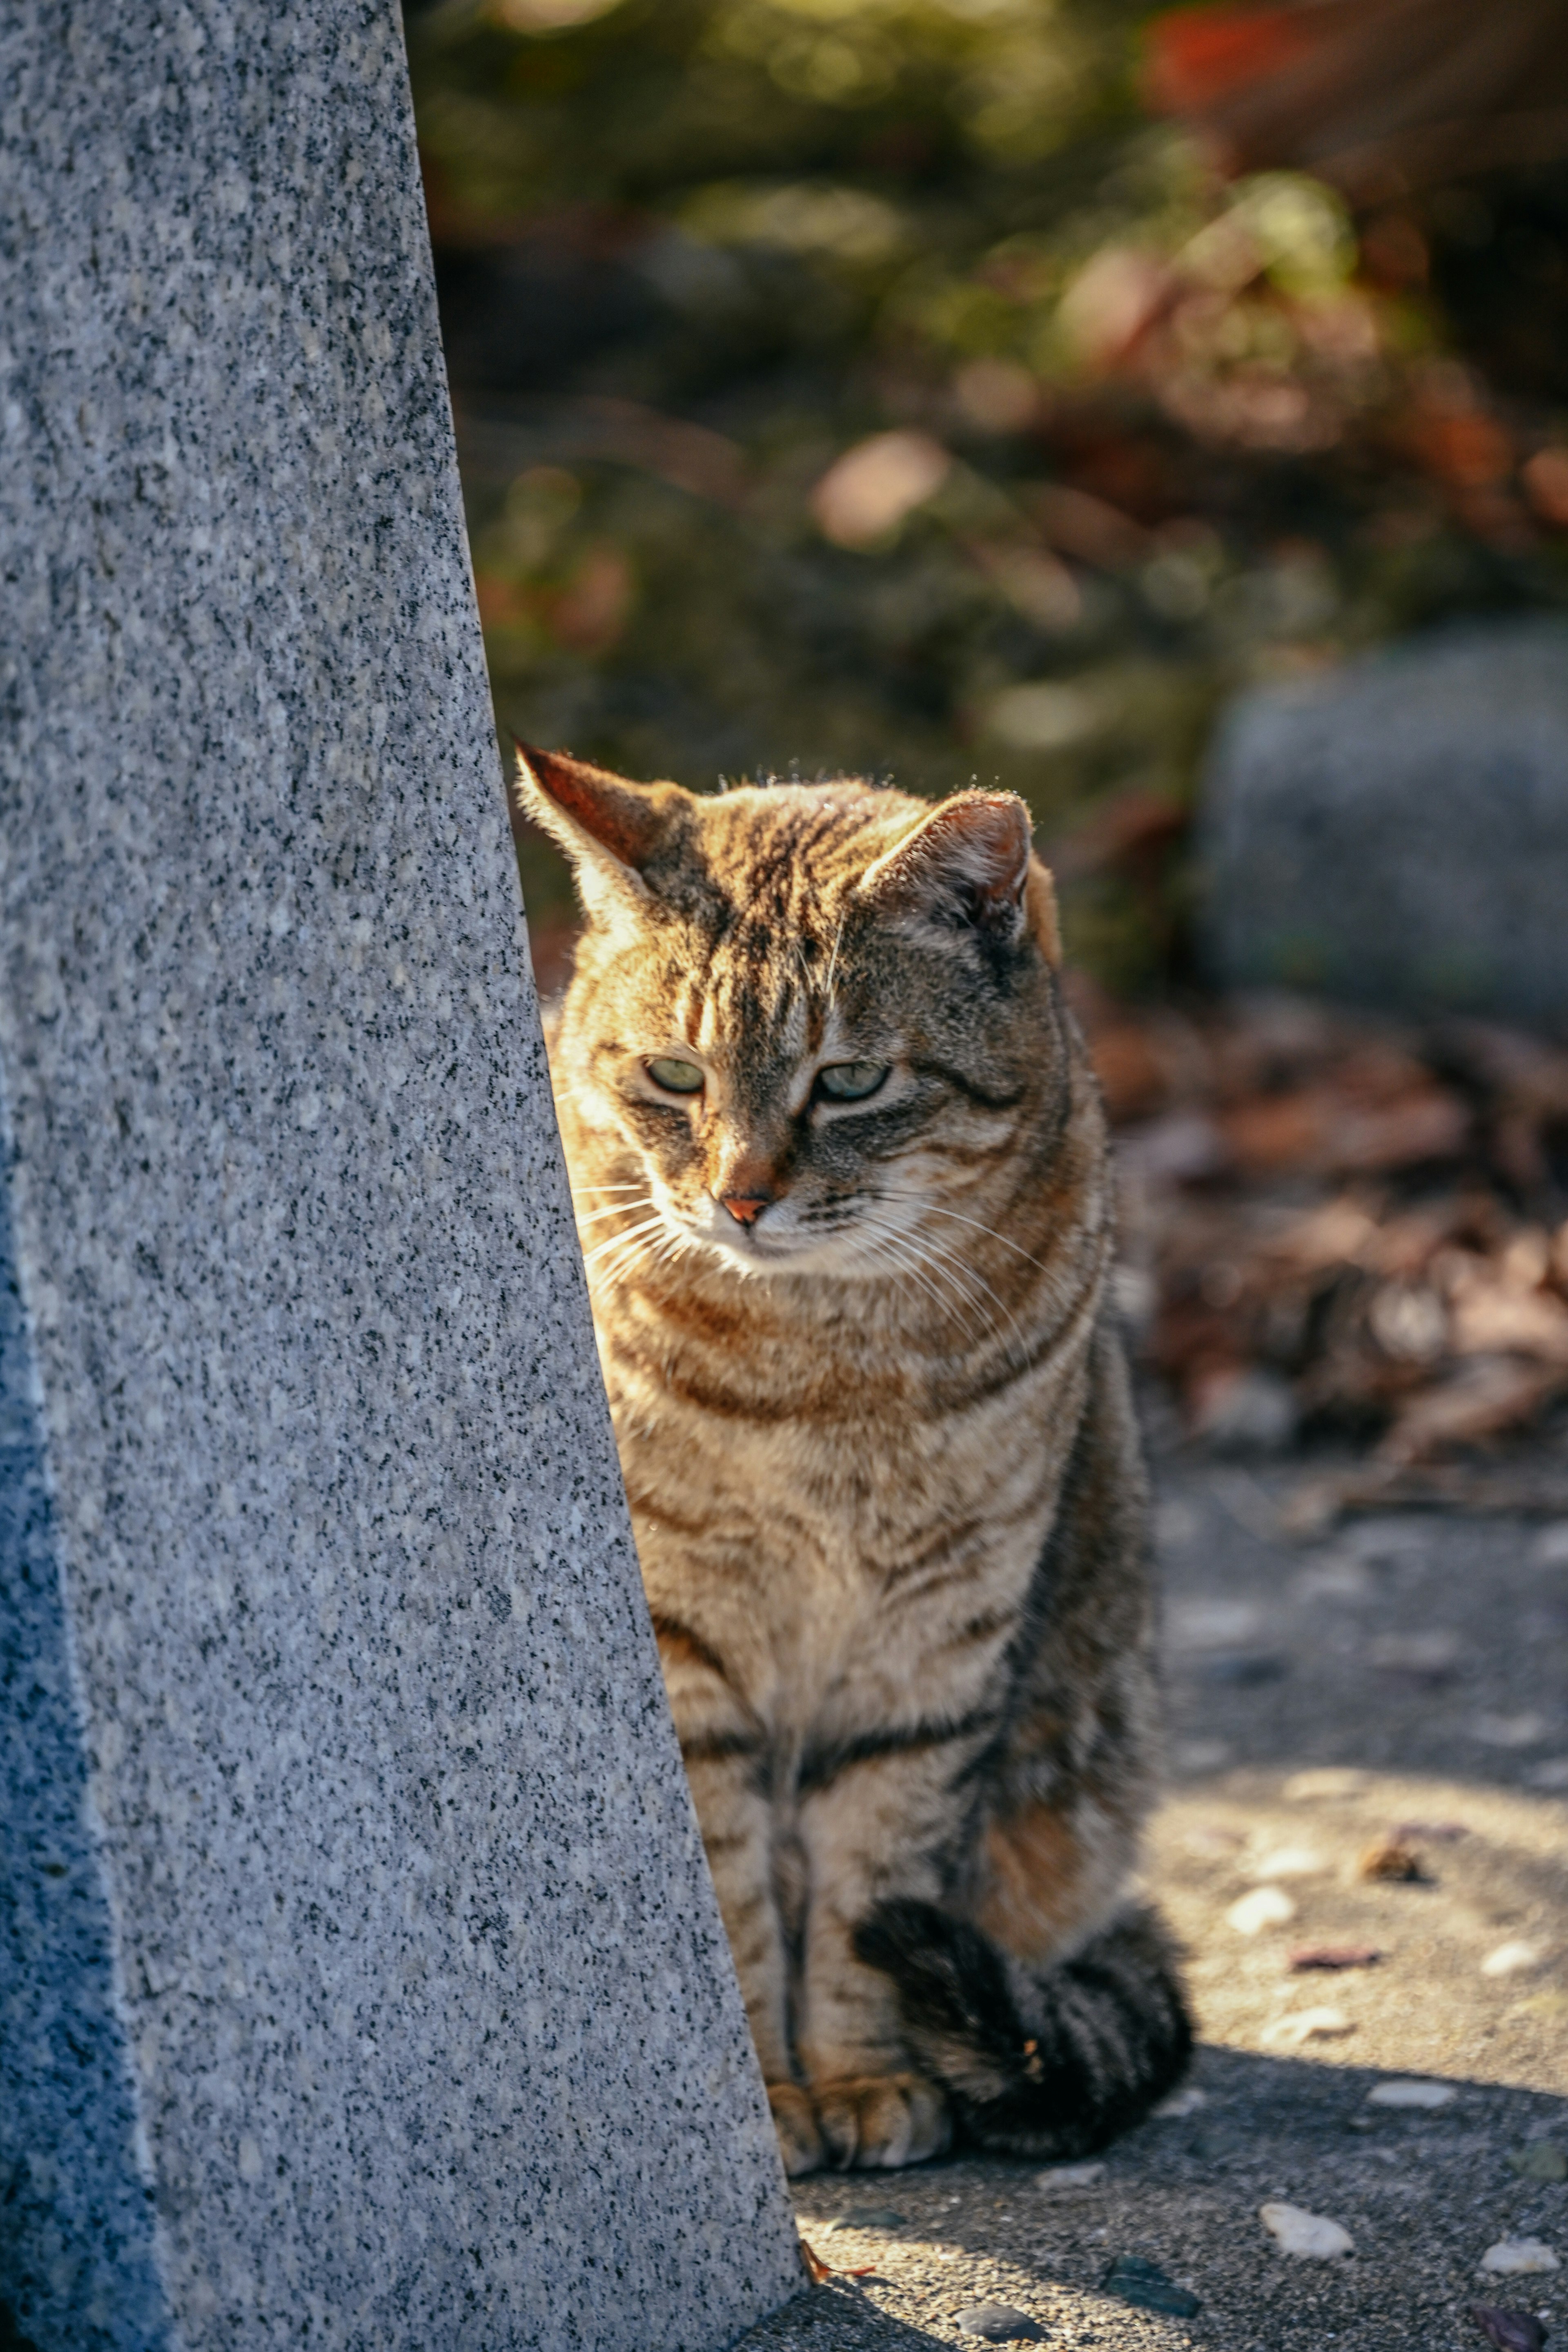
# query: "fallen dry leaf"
(1486, 1396)
(1510, 2331)
(1392, 1861)
(817, 2269)
(1355, 1221)
(1324, 1130)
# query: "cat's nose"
(746, 1207)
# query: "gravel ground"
(1403, 1684)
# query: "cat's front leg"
(725, 1750)
(736, 1821)
(874, 1826)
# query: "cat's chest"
(817, 1550)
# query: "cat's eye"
(674, 1077)
(850, 1081)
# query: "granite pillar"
(361, 1983)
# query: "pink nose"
(746, 1207)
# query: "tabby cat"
(840, 1168)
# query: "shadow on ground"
(1399, 1682)
(1424, 2193)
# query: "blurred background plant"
(881, 386)
(952, 389)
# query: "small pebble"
(1063, 2177)
(1266, 1907)
(1552, 1774)
(1338, 1577)
(1539, 2161)
(1146, 2285)
(1551, 1547)
(1407, 2091)
(998, 2323)
(1306, 2025)
(1288, 1861)
(1212, 1625)
(871, 2217)
(1510, 1959)
(1392, 1861)
(1210, 1844)
(1334, 1956)
(1243, 1669)
(1510, 2256)
(1509, 1730)
(1425, 1657)
(1193, 1757)
(1185, 2102)
(1510, 2331)
(1296, 2231)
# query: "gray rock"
(1396, 832)
(998, 2323)
(1136, 2280)
(361, 1981)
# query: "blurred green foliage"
(870, 385)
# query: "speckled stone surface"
(1396, 832)
(361, 1984)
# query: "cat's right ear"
(608, 828)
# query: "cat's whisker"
(896, 1272)
(586, 1189)
(979, 1283)
(977, 1328)
(648, 1226)
(921, 1202)
(933, 1255)
(833, 960)
(618, 1268)
(673, 1247)
(886, 1252)
(615, 1209)
(905, 1251)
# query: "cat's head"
(804, 1019)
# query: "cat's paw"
(881, 2121)
(794, 2120)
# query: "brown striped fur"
(879, 1444)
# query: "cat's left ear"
(971, 863)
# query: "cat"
(841, 1171)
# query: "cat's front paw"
(794, 2120)
(881, 2121)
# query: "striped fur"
(879, 1444)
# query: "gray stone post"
(361, 1984)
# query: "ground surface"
(1403, 1677)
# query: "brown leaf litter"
(1346, 1226)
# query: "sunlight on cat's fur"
(840, 1171)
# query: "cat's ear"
(610, 829)
(971, 863)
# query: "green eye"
(674, 1077)
(850, 1081)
